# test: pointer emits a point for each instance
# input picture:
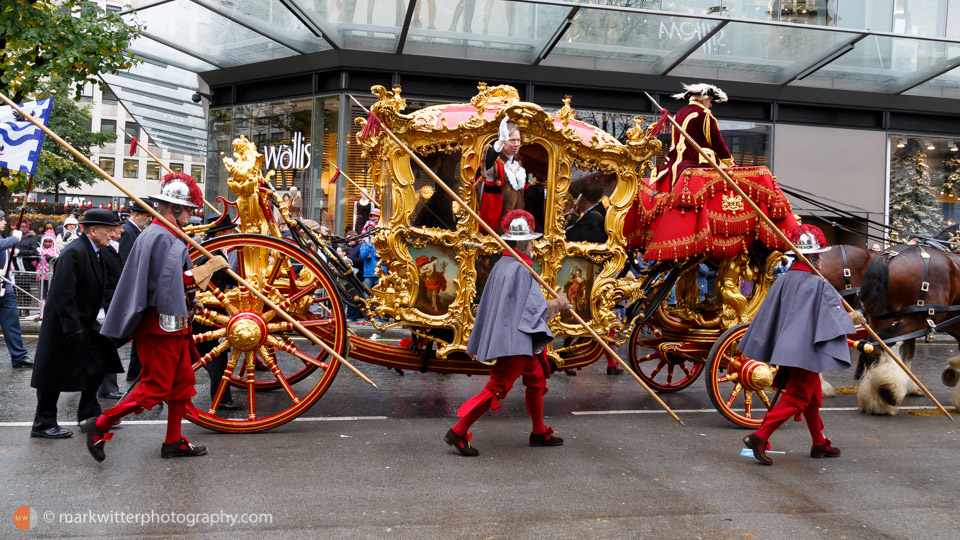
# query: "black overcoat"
(76, 295)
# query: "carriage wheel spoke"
(729, 377)
(214, 352)
(649, 357)
(209, 336)
(734, 394)
(290, 300)
(748, 404)
(248, 362)
(224, 302)
(683, 368)
(670, 373)
(762, 394)
(657, 369)
(279, 259)
(292, 349)
(271, 360)
(224, 380)
(213, 318)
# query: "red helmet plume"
(514, 214)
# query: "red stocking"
(175, 412)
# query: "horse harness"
(849, 293)
(921, 306)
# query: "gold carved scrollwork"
(731, 203)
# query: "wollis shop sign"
(288, 156)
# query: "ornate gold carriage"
(435, 260)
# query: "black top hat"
(100, 217)
(221, 223)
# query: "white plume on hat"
(701, 90)
(503, 134)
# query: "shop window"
(153, 170)
(131, 168)
(107, 164)
(924, 184)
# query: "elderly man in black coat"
(72, 356)
(135, 224)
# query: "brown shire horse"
(892, 289)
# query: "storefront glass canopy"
(832, 44)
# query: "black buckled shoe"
(95, 438)
(184, 448)
(759, 447)
(55, 432)
(461, 443)
(824, 450)
(614, 370)
(547, 438)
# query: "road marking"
(699, 411)
(164, 422)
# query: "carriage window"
(513, 183)
(434, 206)
(589, 194)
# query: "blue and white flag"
(20, 140)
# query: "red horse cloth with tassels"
(704, 215)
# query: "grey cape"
(152, 278)
(512, 315)
(801, 323)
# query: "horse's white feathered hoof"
(883, 387)
(826, 388)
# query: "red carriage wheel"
(264, 351)
(740, 388)
(661, 370)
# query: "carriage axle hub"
(246, 331)
(755, 375)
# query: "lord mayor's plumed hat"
(179, 188)
(700, 91)
(100, 217)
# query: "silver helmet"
(179, 188)
(807, 243)
(518, 226)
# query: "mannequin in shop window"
(296, 203)
(362, 207)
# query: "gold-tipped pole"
(799, 255)
(514, 254)
(164, 165)
(267, 302)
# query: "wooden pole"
(799, 255)
(164, 165)
(356, 185)
(514, 254)
(266, 301)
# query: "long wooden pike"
(514, 254)
(799, 255)
(266, 301)
(356, 185)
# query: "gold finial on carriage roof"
(387, 99)
(566, 113)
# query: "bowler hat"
(136, 207)
(100, 217)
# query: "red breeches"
(502, 377)
(801, 396)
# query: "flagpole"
(193, 243)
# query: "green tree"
(913, 206)
(58, 168)
(57, 44)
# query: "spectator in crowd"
(296, 203)
(372, 222)
(368, 252)
(9, 318)
(69, 233)
(47, 256)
